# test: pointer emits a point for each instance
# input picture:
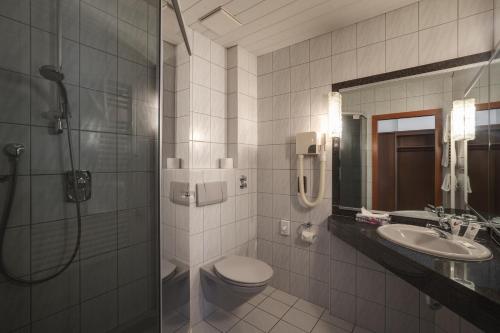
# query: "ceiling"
(268, 25)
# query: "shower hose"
(7, 211)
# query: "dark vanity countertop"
(477, 300)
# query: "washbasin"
(429, 241)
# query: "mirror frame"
(403, 73)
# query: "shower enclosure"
(79, 168)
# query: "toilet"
(233, 279)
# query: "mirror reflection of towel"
(461, 182)
(446, 182)
(445, 160)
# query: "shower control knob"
(14, 149)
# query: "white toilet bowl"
(232, 280)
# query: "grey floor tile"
(324, 327)
(337, 321)
(358, 329)
(203, 327)
(261, 319)
(269, 290)
(242, 310)
(284, 297)
(309, 308)
(284, 327)
(300, 319)
(256, 300)
(244, 327)
(274, 307)
(222, 320)
(173, 322)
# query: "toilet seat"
(243, 271)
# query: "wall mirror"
(429, 139)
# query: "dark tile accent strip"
(436, 66)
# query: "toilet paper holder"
(307, 232)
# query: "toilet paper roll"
(308, 236)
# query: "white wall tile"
(242, 58)
(217, 130)
(402, 21)
(344, 66)
(402, 52)
(281, 82)
(299, 78)
(265, 109)
(265, 86)
(371, 60)
(252, 64)
(201, 71)
(320, 47)
(201, 155)
(438, 43)
(201, 46)
(371, 31)
(217, 78)
(475, 34)
(264, 64)
(232, 57)
(211, 244)
(228, 237)
(281, 59)
(281, 106)
(217, 104)
(436, 12)
(319, 100)
(300, 103)
(496, 25)
(281, 131)
(201, 95)
(201, 127)
(299, 53)
(321, 72)
(344, 39)
(217, 54)
(468, 7)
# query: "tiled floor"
(277, 312)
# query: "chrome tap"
(439, 210)
(442, 233)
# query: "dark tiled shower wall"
(110, 62)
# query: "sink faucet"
(442, 230)
(439, 210)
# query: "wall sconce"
(335, 114)
(463, 120)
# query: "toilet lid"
(244, 270)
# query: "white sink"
(428, 241)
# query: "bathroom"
(249, 166)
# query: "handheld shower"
(75, 179)
(51, 73)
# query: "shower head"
(51, 73)
(14, 149)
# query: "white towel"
(367, 213)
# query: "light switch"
(285, 227)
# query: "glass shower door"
(88, 127)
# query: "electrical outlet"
(285, 228)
